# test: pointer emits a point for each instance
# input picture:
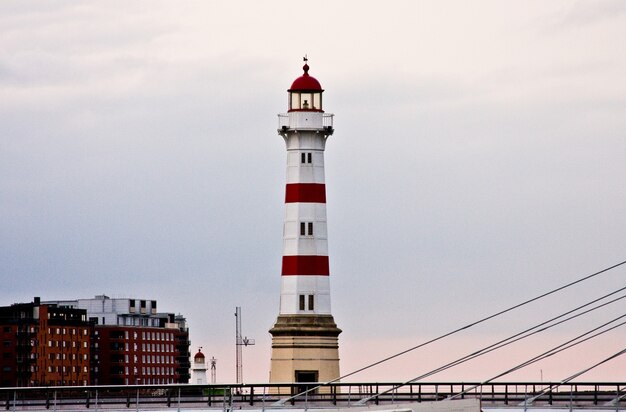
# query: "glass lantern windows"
(305, 101)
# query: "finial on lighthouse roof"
(305, 82)
(306, 65)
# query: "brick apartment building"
(44, 345)
(99, 341)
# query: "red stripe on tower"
(305, 266)
(305, 193)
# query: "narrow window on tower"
(301, 305)
(311, 302)
(303, 158)
(306, 228)
(309, 158)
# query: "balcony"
(116, 336)
(306, 121)
(116, 347)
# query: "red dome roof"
(305, 83)
(199, 357)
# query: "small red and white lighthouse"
(304, 338)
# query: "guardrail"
(327, 120)
(571, 395)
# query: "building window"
(311, 302)
(302, 301)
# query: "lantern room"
(305, 93)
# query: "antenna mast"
(213, 369)
(239, 342)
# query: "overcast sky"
(479, 159)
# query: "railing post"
(224, 400)
(306, 398)
(377, 391)
(251, 395)
(263, 399)
(506, 394)
(349, 393)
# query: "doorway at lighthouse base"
(305, 348)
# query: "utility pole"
(239, 342)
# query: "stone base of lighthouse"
(305, 348)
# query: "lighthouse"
(198, 370)
(305, 344)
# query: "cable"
(564, 381)
(445, 335)
(512, 339)
(505, 342)
(549, 353)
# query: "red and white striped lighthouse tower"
(304, 338)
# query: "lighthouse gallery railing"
(327, 120)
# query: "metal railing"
(510, 394)
(327, 120)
